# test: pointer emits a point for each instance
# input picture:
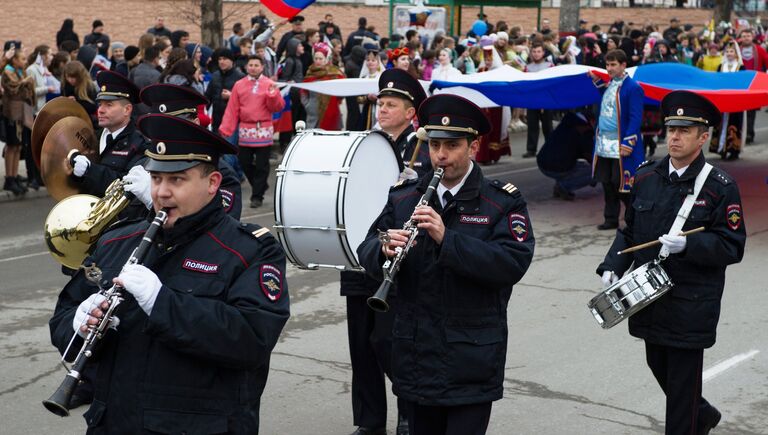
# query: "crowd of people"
(301, 54)
(210, 121)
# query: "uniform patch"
(227, 199)
(119, 153)
(518, 226)
(271, 281)
(200, 266)
(700, 203)
(472, 219)
(733, 214)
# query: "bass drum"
(330, 188)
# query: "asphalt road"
(564, 374)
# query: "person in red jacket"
(253, 100)
(755, 58)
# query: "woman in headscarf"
(445, 69)
(322, 110)
(728, 138)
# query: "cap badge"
(391, 84)
(162, 108)
(161, 147)
(103, 88)
(446, 120)
(680, 112)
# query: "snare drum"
(330, 188)
(630, 294)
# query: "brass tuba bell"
(76, 222)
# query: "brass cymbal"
(65, 135)
(54, 110)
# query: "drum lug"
(281, 228)
(316, 266)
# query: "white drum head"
(331, 186)
(373, 171)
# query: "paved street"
(564, 374)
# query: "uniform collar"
(457, 188)
(190, 227)
(115, 134)
(469, 190)
(690, 173)
(403, 137)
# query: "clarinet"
(378, 302)
(58, 402)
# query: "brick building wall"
(37, 21)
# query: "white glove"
(672, 244)
(408, 174)
(139, 183)
(142, 283)
(609, 278)
(81, 165)
(83, 312)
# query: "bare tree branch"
(238, 9)
(187, 10)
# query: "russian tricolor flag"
(287, 8)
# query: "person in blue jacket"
(618, 143)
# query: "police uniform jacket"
(230, 190)
(199, 362)
(124, 152)
(450, 330)
(405, 144)
(687, 315)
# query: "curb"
(6, 196)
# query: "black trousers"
(449, 420)
(370, 351)
(678, 372)
(751, 125)
(33, 174)
(534, 118)
(608, 174)
(255, 164)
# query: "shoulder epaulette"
(254, 230)
(402, 183)
(722, 176)
(646, 163)
(509, 188)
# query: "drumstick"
(656, 242)
(421, 134)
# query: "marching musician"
(370, 332)
(475, 243)
(185, 103)
(679, 325)
(121, 146)
(189, 348)
(400, 96)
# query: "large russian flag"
(569, 86)
(730, 92)
(286, 8)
